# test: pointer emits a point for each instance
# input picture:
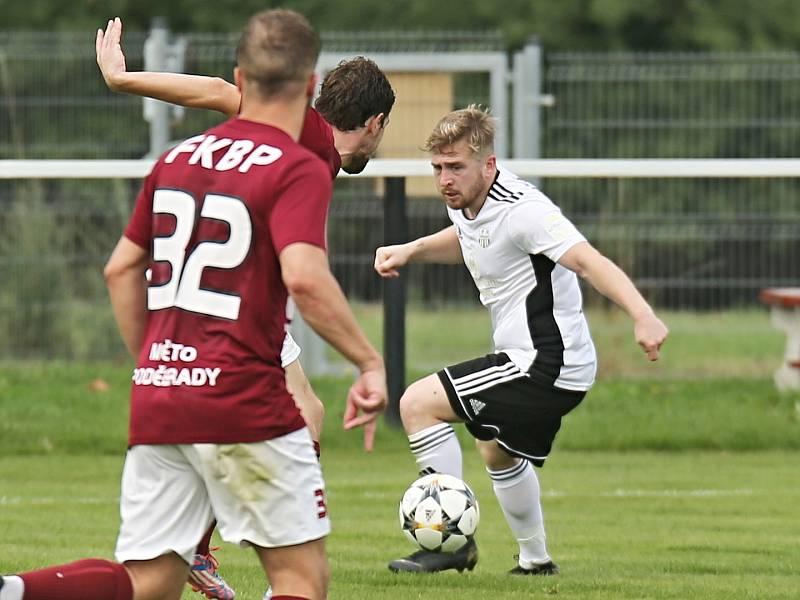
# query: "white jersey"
(290, 351)
(511, 249)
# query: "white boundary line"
(623, 493)
(47, 500)
(572, 168)
(618, 493)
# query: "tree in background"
(562, 25)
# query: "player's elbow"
(226, 98)
(581, 270)
(112, 272)
(584, 261)
(300, 285)
(118, 272)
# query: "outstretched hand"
(365, 402)
(108, 48)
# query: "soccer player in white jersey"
(525, 257)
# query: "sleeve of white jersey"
(290, 351)
(539, 227)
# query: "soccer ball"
(439, 513)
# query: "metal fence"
(711, 250)
(695, 243)
(672, 105)
(689, 243)
(55, 104)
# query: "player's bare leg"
(426, 414)
(297, 571)
(311, 407)
(161, 578)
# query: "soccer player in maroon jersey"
(344, 130)
(230, 223)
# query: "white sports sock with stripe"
(436, 448)
(517, 490)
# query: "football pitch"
(681, 482)
(621, 525)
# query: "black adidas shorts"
(498, 401)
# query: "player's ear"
(373, 124)
(237, 78)
(376, 122)
(490, 164)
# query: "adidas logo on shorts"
(477, 405)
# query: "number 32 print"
(183, 290)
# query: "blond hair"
(473, 124)
(277, 51)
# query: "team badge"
(483, 238)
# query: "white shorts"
(268, 494)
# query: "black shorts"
(498, 401)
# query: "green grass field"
(709, 525)
(675, 480)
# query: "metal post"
(527, 100)
(395, 231)
(156, 111)
(498, 90)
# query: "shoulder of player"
(309, 160)
(513, 194)
(268, 143)
(294, 153)
(313, 117)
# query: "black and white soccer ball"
(439, 513)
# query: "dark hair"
(353, 92)
(277, 48)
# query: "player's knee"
(494, 457)
(417, 410)
(409, 406)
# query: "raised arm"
(195, 91)
(441, 247)
(611, 281)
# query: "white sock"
(12, 589)
(517, 490)
(436, 448)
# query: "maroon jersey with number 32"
(215, 213)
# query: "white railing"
(561, 168)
